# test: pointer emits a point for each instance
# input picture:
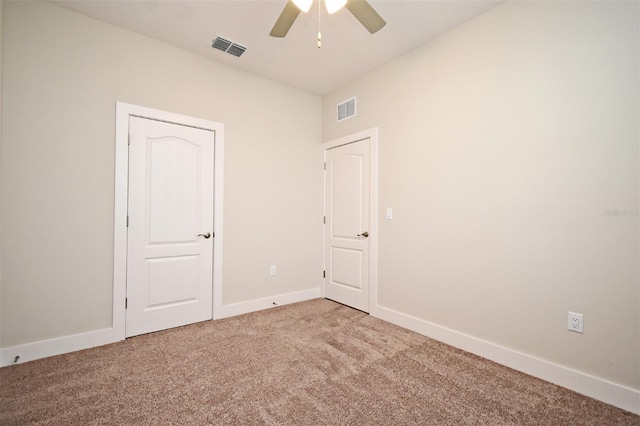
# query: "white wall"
(63, 74)
(506, 147)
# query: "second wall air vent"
(347, 109)
(228, 46)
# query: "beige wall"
(1, 49)
(63, 74)
(506, 146)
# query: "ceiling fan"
(361, 9)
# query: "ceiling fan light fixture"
(303, 5)
(334, 5)
(360, 9)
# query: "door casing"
(372, 136)
(123, 112)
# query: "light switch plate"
(388, 213)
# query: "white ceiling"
(348, 50)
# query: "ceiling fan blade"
(366, 14)
(285, 21)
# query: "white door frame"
(123, 112)
(372, 135)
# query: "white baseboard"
(225, 311)
(594, 387)
(76, 342)
(58, 346)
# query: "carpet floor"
(310, 363)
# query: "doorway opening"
(125, 113)
(351, 220)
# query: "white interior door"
(170, 232)
(347, 243)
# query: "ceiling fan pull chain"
(319, 34)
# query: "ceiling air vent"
(347, 109)
(228, 46)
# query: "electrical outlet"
(272, 270)
(576, 322)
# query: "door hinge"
(126, 302)
(324, 274)
(129, 139)
(324, 220)
(127, 221)
(325, 166)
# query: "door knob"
(364, 234)
(206, 235)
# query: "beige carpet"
(311, 363)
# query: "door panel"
(347, 216)
(173, 190)
(163, 272)
(346, 178)
(346, 267)
(169, 267)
